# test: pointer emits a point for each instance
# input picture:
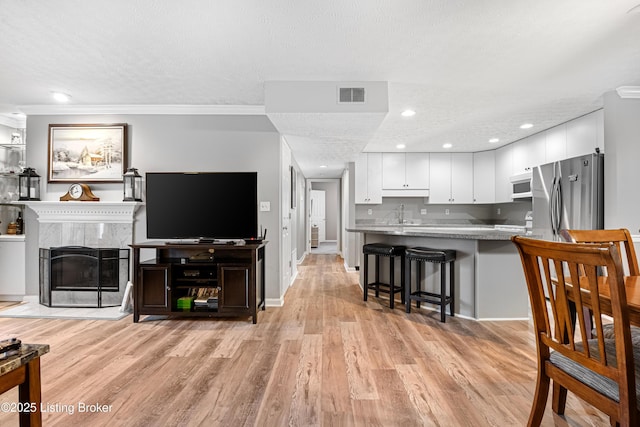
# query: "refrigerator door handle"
(552, 207)
(558, 206)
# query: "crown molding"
(35, 110)
(628, 91)
(13, 122)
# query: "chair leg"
(366, 276)
(539, 400)
(407, 285)
(558, 399)
(392, 278)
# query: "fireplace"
(78, 276)
(104, 226)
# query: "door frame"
(340, 229)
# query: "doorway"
(324, 216)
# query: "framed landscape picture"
(87, 152)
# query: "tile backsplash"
(412, 210)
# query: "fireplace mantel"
(84, 212)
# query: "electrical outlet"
(446, 211)
(498, 211)
(265, 206)
(423, 211)
(369, 211)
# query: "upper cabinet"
(504, 170)
(556, 144)
(451, 178)
(405, 174)
(527, 153)
(368, 174)
(484, 177)
(585, 134)
(575, 138)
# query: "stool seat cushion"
(383, 249)
(431, 255)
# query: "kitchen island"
(489, 281)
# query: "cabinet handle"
(219, 288)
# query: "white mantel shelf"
(93, 212)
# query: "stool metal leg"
(377, 262)
(452, 285)
(366, 276)
(402, 274)
(418, 279)
(407, 285)
(392, 278)
(443, 293)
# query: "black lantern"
(29, 185)
(132, 185)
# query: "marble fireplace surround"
(92, 224)
(89, 224)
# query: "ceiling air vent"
(351, 94)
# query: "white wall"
(621, 172)
(174, 143)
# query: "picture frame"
(87, 152)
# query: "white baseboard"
(349, 269)
(274, 302)
(301, 260)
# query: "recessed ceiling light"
(408, 113)
(526, 126)
(323, 166)
(61, 97)
(401, 146)
(447, 145)
(494, 140)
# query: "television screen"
(202, 205)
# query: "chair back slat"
(621, 238)
(569, 275)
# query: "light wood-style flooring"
(325, 358)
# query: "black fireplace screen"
(82, 269)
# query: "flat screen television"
(202, 205)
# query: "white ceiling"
(472, 70)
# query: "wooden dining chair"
(600, 371)
(621, 238)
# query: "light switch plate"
(423, 211)
(265, 206)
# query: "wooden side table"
(23, 370)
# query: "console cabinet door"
(154, 292)
(234, 293)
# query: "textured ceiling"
(472, 69)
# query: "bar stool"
(439, 256)
(382, 250)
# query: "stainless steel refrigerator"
(568, 194)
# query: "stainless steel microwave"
(521, 186)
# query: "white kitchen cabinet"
(504, 170)
(408, 172)
(556, 143)
(12, 265)
(368, 174)
(484, 177)
(527, 153)
(584, 134)
(451, 178)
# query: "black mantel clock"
(79, 192)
